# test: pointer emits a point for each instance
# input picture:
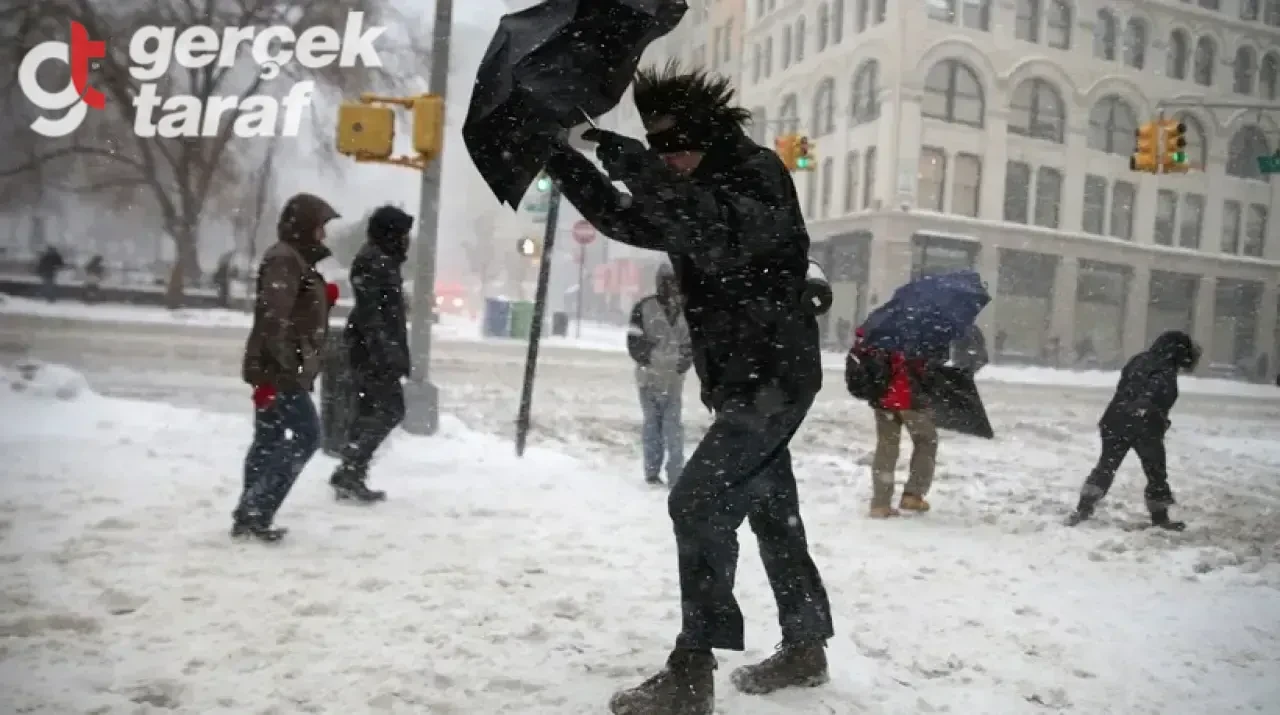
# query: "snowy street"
(489, 584)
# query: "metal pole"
(535, 332)
(422, 399)
(582, 272)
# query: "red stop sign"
(583, 232)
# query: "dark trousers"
(742, 470)
(285, 436)
(378, 407)
(1115, 448)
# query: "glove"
(264, 396)
(331, 293)
(622, 157)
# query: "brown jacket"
(291, 313)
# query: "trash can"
(337, 398)
(521, 319)
(497, 318)
(560, 324)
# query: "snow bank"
(115, 313)
(40, 380)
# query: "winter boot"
(1160, 518)
(794, 665)
(911, 502)
(251, 526)
(883, 512)
(685, 686)
(348, 484)
(653, 481)
(1083, 512)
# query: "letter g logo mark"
(77, 97)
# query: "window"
(1048, 197)
(864, 102)
(869, 183)
(1017, 188)
(966, 185)
(759, 124)
(1211, 4)
(828, 185)
(759, 8)
(1244, 69)
(727, 52)
(786, 47)
(1247, 144)
(1123, 196)
(944, 10)
(1231, 215)
(1104, 36)
(932, 179)
(860, 12)
(755, 63)
(1197, 146)
(837, 21)
(976, 14)
(1059, 25)
(824, 108)
(789, 116)
(952, 93)
(1037, 111)
(1191, 221)
(1027, 23)
(799, 37)
(851, 180)
(882, 10)
(824, 26)
(1271, 15)
(1269, 77)
(1249, 10)
(768, 56)
(1176, 64)
(1166, 214)
(1203, 61)
(717, 40)
(1135, 43)
(810, 194)
(1112, 123)
(1255, 231)
(1095, 204)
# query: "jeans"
(662, 432)
(285, 436)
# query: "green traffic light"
(802, 162)
(1180, 157)
(544, 184)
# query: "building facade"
(996, 135)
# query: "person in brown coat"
(281, 362)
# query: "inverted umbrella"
(545, 68)
(925, 316)
(955, 402)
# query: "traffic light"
(804, 154)
(1146, 156)
(1174, 144)
(544, 183)
(787, 150)
(366, 130)
(528, 247)
(428, 125)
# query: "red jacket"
(898, 394)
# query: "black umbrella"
(957, 406)
(546, 68)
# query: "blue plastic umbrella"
(925, 316)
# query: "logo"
(154, 50)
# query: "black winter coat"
(737, 241)
(1148, 388)
(376, 335)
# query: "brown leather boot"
(911, 502)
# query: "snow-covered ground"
(495, 585)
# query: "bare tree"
(179, 179)
(482, 254)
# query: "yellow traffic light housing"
(428, 125)
(1146, 156)
(1173, 142)
(804, 154)
(786, 148)
(366, 131)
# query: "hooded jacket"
(1148, 388)
(291, 311)
(737, 241)
(376, 334)
(658, 338)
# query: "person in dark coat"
(1137, 420)
(725, 211)
(48, 265)
(378, 350)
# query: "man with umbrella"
(725, 211)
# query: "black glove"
(623, 158)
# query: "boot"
(252, 526)
(911, 502)
(1160, 518)
(794, 665)
(685, 686)
(882, 512)
(653, 481)
(348, 484)
(1083, 512)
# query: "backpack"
(867, 373)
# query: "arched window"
(1203, 62)
(1244, 70)
(1135, 43)
(1104, 36)
(1179, 51)
(824, 26)
(1038, 111)
(864, 100)
(755, 63)
(1247, 144)
(824, 108)
(799, 36)
(1112, 123)
(1059, 25)
(1197, 140)
(953, 94)
(1269, 77)
(837, 21)
(789, 115)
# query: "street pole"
(523, 419)
(422, 399)
(582, 293)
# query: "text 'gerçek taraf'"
(153, 50)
